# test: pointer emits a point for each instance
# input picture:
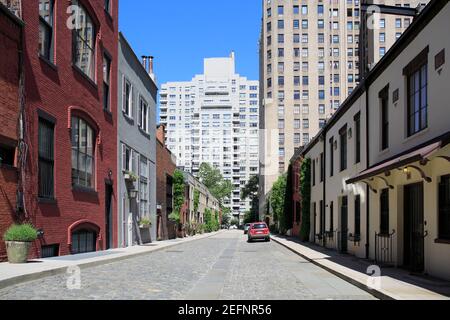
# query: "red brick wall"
(10, 33)
(164, 167)
(55, 90)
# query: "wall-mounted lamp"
(407, 172)
(133, 193)
(40, 233)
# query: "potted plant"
(130, 176)
(18, 239)
(144, 228)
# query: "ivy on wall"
(305, 193)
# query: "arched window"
(84, 240)
(84, 41)
(83, 160)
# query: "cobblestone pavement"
(221, 267)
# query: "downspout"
(324, 165)
(367, 87)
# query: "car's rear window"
(259, 226)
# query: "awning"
(421, 153)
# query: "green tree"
(277, 197)
(196, 200)
(250, 191)
(305, 193)
(226, 216)
(286, 220)
(178, 190)
(214, 181)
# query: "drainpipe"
(324, 220)
(367, 87)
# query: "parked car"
(233, 227)
(258, 231)
(246, 227)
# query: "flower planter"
(17, 251)
(145, 234)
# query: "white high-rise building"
(215, 119)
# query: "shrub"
(145, 222)
(21, 233)
(175, 217)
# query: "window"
(106, 82)
(108, 6)
(357, 216)
(143, 187)
(280, 24)
(7, 155)
(46, 29)
(143, 115)
(384, 211)
(331, 157)
(82, 153)
(84, 41)
(358, 138)
(84, 241)
(127, 104)
(384, 97)
(382, 23)
(46, 159)
(444, 208)
(280, 10)
(418, 100)
(343, 142)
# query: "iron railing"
(384, 244)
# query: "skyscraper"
(309, 64)
(214, 119)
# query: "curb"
(374, 292)
(60, 270)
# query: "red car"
(258, 231)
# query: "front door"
(414, 257)
(108, 215)
(344, 225)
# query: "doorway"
(414, 243)
(344, 225)
(108, 215)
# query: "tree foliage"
(250, 191)
(286, 220)
(277, 197)
(178, 190)
(215, 182)
(211, 220)
(305, 192)
(196, 200)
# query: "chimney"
(144, 62)
(150, 70)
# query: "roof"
(419, 153)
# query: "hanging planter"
(130, 177)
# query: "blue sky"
(181, 33)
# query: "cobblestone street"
(221, 267)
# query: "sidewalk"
(12, 274)
(394, 283)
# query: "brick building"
(165, 168)
(10, 75)
(71, 132)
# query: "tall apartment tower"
(215, 119)
(309, 64)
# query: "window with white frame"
(143, 115)
(127, 98)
